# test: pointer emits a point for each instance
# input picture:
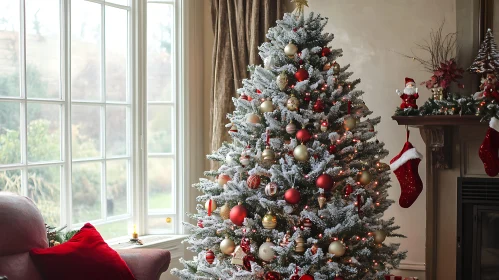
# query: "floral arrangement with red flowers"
(447, 73)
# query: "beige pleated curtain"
(240, 27)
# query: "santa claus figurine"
(489, 87)
(409, 95)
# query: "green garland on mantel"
(455, 104)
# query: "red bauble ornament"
(307, 277)
(332, 149)
(244, 96)
(294, 277)
(258, 91)
(325, 51)
(272, 275)
(247, 261)
(237, 214)
(210, 256)
(200, 223)
(319, 106)
(292, 196)
(348, 190)
(325, 182)
(253, 181)
(303, 135)
(301, 75)
(245, 244)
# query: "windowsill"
(171, 243)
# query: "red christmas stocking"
(405, 167)
(489, 151)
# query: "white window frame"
(137, 112)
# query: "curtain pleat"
(239, 26)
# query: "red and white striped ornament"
(210, 256)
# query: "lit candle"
(135, 235)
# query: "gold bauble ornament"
(213, 205)
(266, 106)
(300, 153)
(290, 50)
(336, 68)
(293, 104)
(299, 244)
(379, 236)
(268, 154)
(225, 211)
(337, 248)
(269, 221)
(349, 123)
(364, 177)
(282, 81)
(253, 118)
(227, 246)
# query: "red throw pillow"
(85, 256)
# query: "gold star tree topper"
(300, 6)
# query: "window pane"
(159, 51)
(160, 132)
(85, 131)
(85, 50)
(114, 229)
(44, 132)
(160, 224)
(86, 190)
(10, 181)
(10, 139)
(116, 131)
(116, 54)
(160, 174)
(44, 185)
(9, 48)
(42, 48)
(117, 182)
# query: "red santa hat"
(409, 80)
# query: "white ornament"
(290, 50)
(229, 160)
(266, 252)
(268, 62)
(244, 160)
(271, 189)
(266, 106)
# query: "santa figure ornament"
(489, 150)
(489, 88)
(409, 95)
(405, 167)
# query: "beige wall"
(369, 32)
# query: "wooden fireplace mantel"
(437, 133)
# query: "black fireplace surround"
(477, 229)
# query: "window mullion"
(103, 112)
(24, 105)
(66, 197)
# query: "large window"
(70, 111)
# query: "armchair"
(22, 228)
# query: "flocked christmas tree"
(487, 60)
(301, 190)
